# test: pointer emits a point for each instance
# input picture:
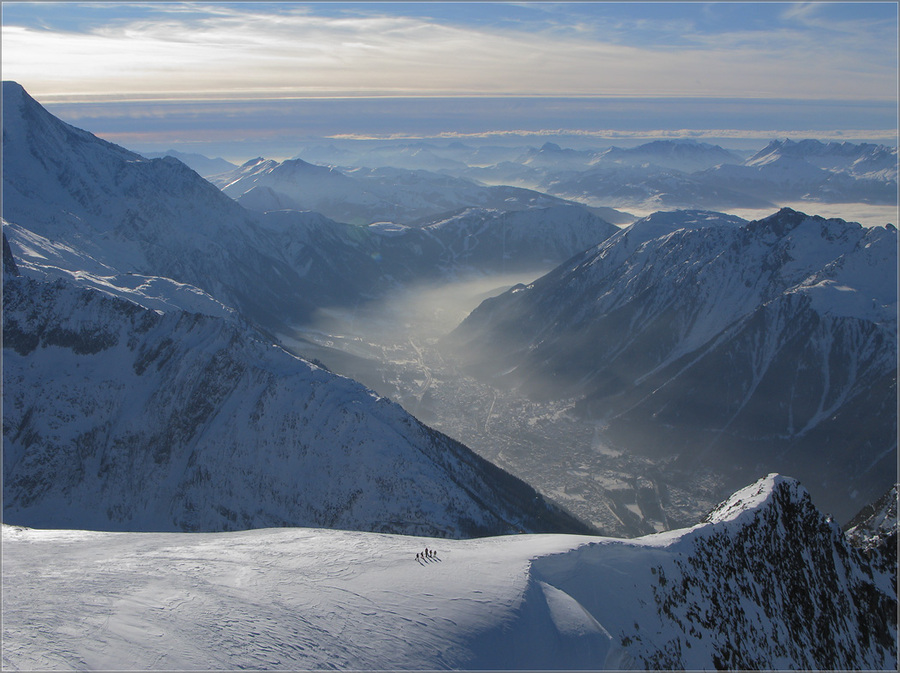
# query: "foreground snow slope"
(766, 582)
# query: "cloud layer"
(205, 51)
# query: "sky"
(234, 74)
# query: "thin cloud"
(196, 50)
(619, 134)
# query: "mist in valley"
(395, 346)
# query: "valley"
(394, 347)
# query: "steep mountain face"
(874, 532)
(126, 214)
(119, 417)
(772, 343)
(367, 195)
(766, 583)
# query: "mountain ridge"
(762, 337)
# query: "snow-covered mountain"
(766, 582)
(197, 162)
(121, 417)
(367, 195)
(648, 187)
(787, 177)
(115, 211)
(864, 160)
(740, 345)
(687, 156)
(137, 395)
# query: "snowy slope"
(773, 342)
(118, 417)
(42, 259)
(767, 582)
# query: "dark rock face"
(766, 582)
(792, 565)
(9, 263)
(874, 532)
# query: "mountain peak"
(13, 92)
(780, 223)
(251, 163)
(763, 493)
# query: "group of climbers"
(427, 555)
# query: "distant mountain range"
(662, 174)
(366, 196)
(702, 338)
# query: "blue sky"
(145, 73)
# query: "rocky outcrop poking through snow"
(874, 532)
(767, 582)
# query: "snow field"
(278, 598)
(737, 591)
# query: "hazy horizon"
(242, 79)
